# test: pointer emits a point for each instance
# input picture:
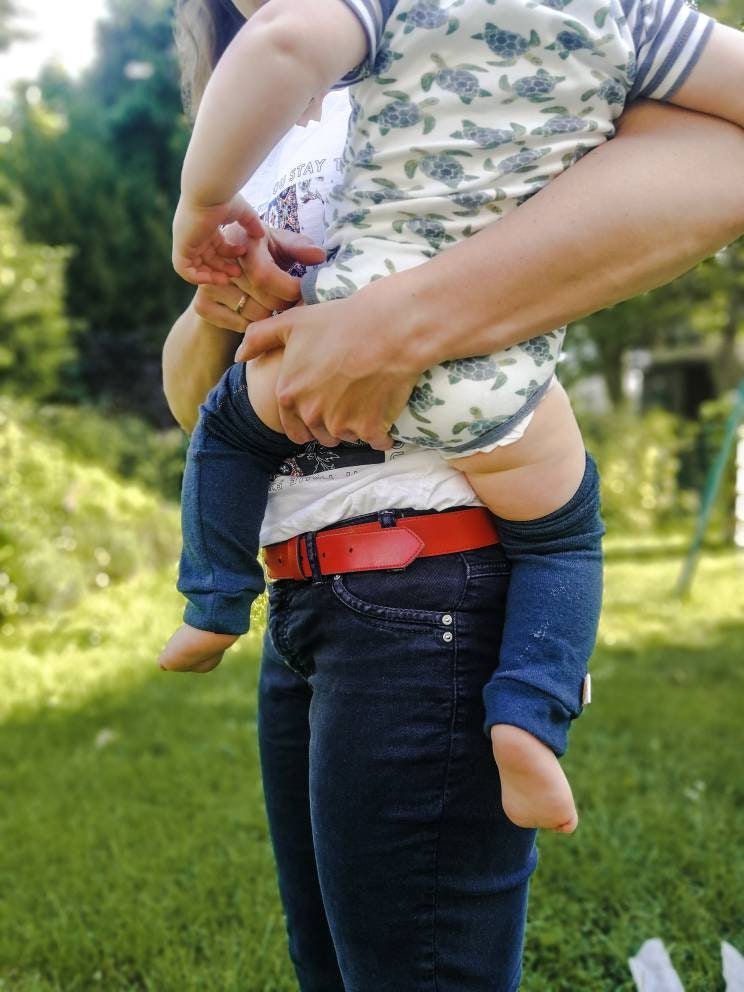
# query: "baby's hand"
(201, 253)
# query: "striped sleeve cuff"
(372, 15)
(669, 36)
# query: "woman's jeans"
(397, 867)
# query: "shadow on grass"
(655, 764)
(145, 863)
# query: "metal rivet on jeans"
(447, 619)
(447, 636)
(337, 575)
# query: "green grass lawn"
(134, 849)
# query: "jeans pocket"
(422, 594)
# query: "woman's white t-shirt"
(322, 486)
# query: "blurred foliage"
(705, 305)
(67, 527)
(125, 445)
(729, 11)
(639, 460)
(654, 468)
(10, 29)
(98, 163)
(35, 340)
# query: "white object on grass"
(652, 969)
(733, 968)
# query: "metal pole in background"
(712, 485)
(739, 507)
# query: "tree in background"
(34, 331)
(98, 163)
(10, 30)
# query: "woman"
(397, 867)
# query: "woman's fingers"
(254, 311)
(265, 337)
(218, 305)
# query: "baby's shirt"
(465, 108)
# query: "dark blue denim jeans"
(397, 867)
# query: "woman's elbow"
(184, 413)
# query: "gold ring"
(242, 303)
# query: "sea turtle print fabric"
(462, 110)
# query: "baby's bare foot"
(194, 650)
(534, 789)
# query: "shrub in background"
(67, 527)
(34, 330)
(120, 443)
(639, 460)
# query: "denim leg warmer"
(552, 612)
(230, 460)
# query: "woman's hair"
(203, 30)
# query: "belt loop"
(312, 558)
(387, 518)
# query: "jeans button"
(447, 636)
(447, 619)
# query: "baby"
(461, 109)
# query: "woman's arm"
(195, 355)
(646, 207)
(631, 216)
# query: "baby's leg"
(231, 457)
(543, 490)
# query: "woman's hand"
(348, 368)
(263, 286)
(201, 345)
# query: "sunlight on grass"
(640, 608)
(136, 854)
(110, 641)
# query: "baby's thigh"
(538, 473)
(261, 376)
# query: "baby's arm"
(716, 83)
(287, 53)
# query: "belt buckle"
(302, 558)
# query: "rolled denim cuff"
(522, 705)
(222, 613)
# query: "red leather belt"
(370, 546)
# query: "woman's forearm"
(630, 216)
(195, 355)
